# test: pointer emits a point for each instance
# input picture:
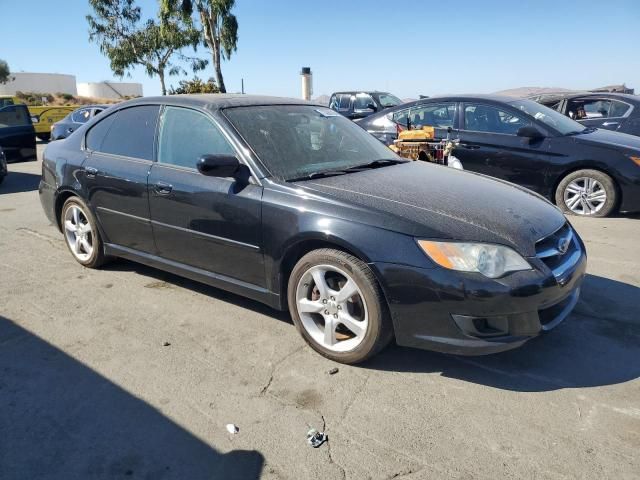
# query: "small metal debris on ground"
(231, 428)
(334, 370)
(316, 438)
(166, 344)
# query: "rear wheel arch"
(62, 197)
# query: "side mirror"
(372, 106)
(531, 132)
(219, 165)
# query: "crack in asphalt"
(274, 368)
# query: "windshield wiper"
(343, 171)
(320, 174)
(376, 163)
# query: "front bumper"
(469, 314)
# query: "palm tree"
(219, 27)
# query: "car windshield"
(298, 141)
(559, 122)
(387, 100)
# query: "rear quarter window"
(129, 132)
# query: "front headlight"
(492, 261)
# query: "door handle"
(471, 147)
(610, 124)
(91, 172)
(162, 188)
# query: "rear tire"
(81, 233)
(338, 307)
(589, 193)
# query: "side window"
(131, 134)
(585, 108)
(400, 117)
(485, 118)
(98, 132)
(333, 102)
(363, 101)
(81, 116)
(433, 115)
(618, 109)
(186, 135)
(344, 102)
(14, 116)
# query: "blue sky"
(418, 47)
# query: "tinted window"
(186, 135)
(618, 109)
(14, 116)
(98, 132)
(132, 132)
(363, 101)
(344, 101)
(485, 118)
(81, 116)
(439, 115)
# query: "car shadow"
(61, 420)
(122, 265)
(599, 344)
(16, 182)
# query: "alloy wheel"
(332, 308)
(585, 196)
(78, 233)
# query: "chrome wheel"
(332, 308)
(585, 196)
(78, 233)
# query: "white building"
(40, 83)
(59, 83)
(109, 89)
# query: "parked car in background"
(42, 116)
(584, 170)
(72, 121)
(356, 104)
(3, 165)
(17, 135)
(293, 205)
(613, 111)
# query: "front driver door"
(209, 223)
(489, 145)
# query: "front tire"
(338, 307)
(81, 233)
(587, 193)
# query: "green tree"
(5, 73)
(219, 27)
(126, 41)
(195, 86)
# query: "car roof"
(457, 98)
(561, 95)
(217, 101)
(353, 92)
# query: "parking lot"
(131, 372)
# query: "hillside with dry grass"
(62, 99)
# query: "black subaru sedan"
(583, 169)
(293, 205)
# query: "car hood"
(608, 138)
(432, 201)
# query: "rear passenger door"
(17, 135)
(120, 150)
(209, 223)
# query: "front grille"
(559, 251)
